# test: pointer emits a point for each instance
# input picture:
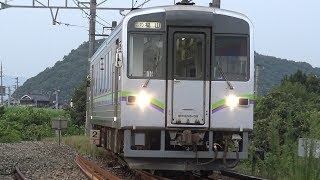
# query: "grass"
(81, 144)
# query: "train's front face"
(188, 67)
(188, 72)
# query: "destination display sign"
(147, 25)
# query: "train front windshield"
(189, 55)
(231, 55)
(146, 56)
(147, 59)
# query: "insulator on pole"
(215, 4)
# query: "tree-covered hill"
(274, 69)
(67, 74)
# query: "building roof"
(35, 97)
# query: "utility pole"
(92, 29)
(9, 96)
(16, 87)
(2, 93)
(15, 96)
(256, 87)
(17, 82)
(57, 98)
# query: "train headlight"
(143, 99)
(232, 101)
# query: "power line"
(133, 4)
(39, 5)
(88, 16)
(74, 25)
(142, 4)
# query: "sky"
(29, 43)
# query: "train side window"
(110, 71)
(96, 79)
(231, 56)
(146, 56)
(107, 73)
(102, 75)
(93, 77)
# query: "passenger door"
(188, 79)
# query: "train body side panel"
(231, 119)
(153, 115)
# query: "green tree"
(78, 111)
(289, 112)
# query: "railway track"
(18, 175)
(231, 175)
(235, 175)
(95, 172)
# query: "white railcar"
(173, 88)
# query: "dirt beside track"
(39, 160)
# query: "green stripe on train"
(125, 94)
(223, 101)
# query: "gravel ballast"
(39, 160)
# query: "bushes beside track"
(83, 145)
(30, 124)
(289, 112)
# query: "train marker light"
(243, 101)
(132, 99)
(143, 99)
(232, 101)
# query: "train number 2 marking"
(95, 137)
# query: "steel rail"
(240, 176)
(93, 171)
(18, 175)
(140, 174)
(144, 175)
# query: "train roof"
(157, 9)
(185, 8)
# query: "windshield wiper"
(224, 76)
(158, 57)
(145, 84)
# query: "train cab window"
(231, 57)
(146, 56)
(188, 55)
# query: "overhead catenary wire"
(134, 3)
(88, 15)
(133, 6)
(77, 3)
(74, 25)
(142, 4)
(100, 17)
